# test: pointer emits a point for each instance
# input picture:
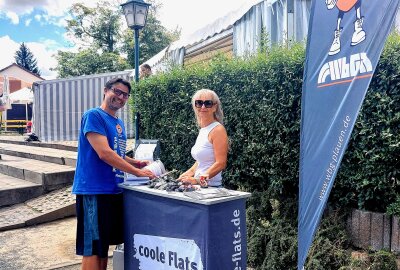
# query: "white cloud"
(20, 7)
(54, 10)
(194, 15)
(43, 52)
(62, 21)
(13, 17)
(8, 47)
(53, 7)
(28, 22)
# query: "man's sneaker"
(335, 47)
(359, 33)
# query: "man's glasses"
(120, 92)
(207, 103)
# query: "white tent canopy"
(23, 96)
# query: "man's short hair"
(147, 66)
(145, 71)
(113, 81)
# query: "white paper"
(145, 151)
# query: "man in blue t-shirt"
(100, 168)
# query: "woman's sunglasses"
(207, 103)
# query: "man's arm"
(106, 154)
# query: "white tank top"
(203, 153)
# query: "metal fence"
(58, 105)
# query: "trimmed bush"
(383, 260)
(261, 100)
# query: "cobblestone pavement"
(52, 201)
(17, 215)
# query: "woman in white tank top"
(211, 148)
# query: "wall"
(19, 73)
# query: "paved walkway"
(49, 245)
(43, 247)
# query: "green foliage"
(383, 260)
(152, 39)
(394, 207)
(261, 101)
(99, 26)
(272, 236)
(25, 58)
(371, 165)
(99, 31)
(262, 151)
(329, 249)
(88, 62)
(272, 239)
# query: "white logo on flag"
(342, 69)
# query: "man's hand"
(146, 173)
(143, 163)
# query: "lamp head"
(135, 12)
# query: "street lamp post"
(136, 14)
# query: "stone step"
(49, 175)
(51, 206)
(14, 190)
(57, 156)
(69, 146)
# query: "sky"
(41, 25)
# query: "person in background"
(29, 127)
(100, 168)
(211, 148)
(145, 71)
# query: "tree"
(24, 58)
(98, 27)
(88, 62)
(100, 32)
(152, 39)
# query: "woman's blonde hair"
(219, 114)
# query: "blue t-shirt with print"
(92, 175)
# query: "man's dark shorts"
(100, 223)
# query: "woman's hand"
(187, 179)
(185, 175)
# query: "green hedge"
(369, 177)
(261, 100)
